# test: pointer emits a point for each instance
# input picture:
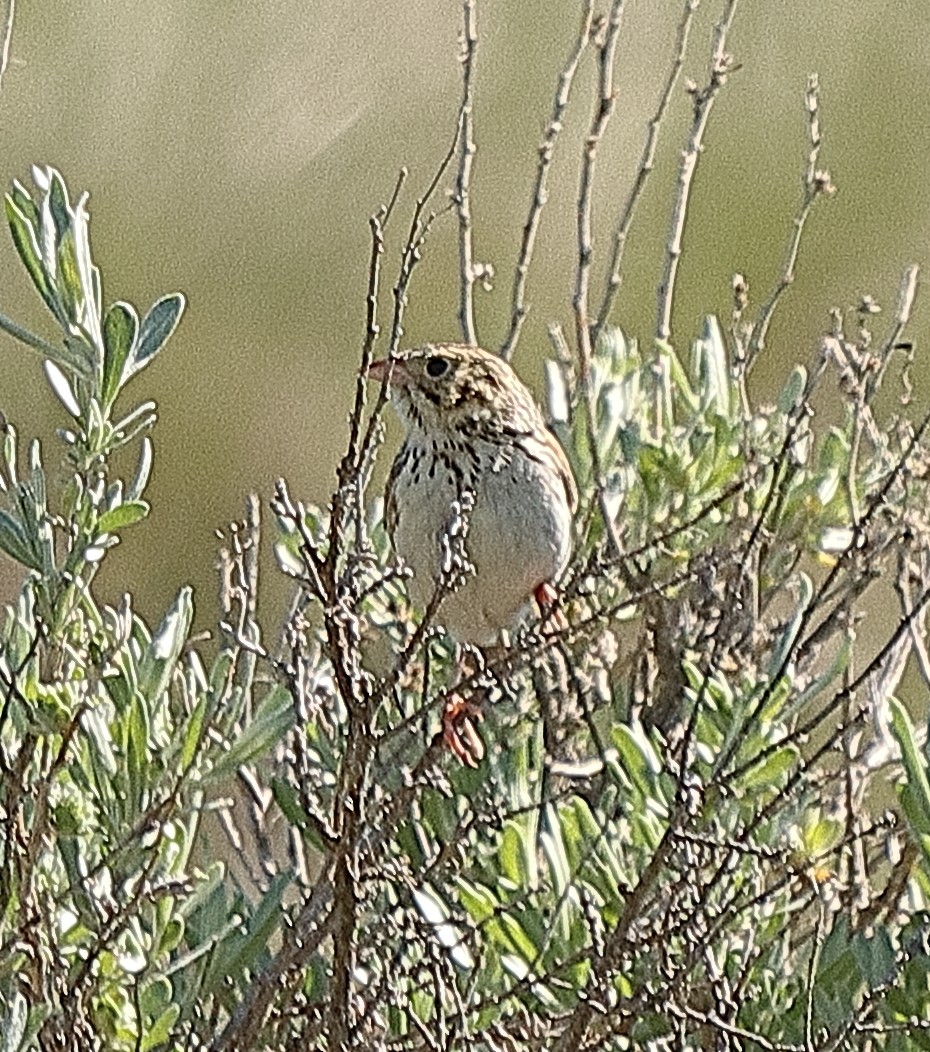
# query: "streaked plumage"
(472, 426)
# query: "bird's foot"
(547, 598)
(460, 718)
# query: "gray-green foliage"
(107, 935)
(672, 838)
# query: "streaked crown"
(455, 387)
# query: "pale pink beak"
(378, 371)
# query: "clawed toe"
(547, 597)
(459, 730)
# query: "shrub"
(678, 835)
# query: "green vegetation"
(674, 836)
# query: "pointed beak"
(377, 371)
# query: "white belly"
(518, 538)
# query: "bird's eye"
(436, 367)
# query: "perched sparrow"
(477, 453)
(474, 433)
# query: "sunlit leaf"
(154, 331)
(119, 335)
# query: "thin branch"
(703, 99)
(646, 165)
(714, 1021)
(907, 293)
(377, 223)
(358, 455)
(301, 940)
(607, 48)
(28, 338)
(7, 38)
(419, 229)
(802, 643)
(811, 979)
(519, 309)
(816, 184)
(467, 150)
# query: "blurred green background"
(235, 151)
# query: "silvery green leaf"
(62, 388)
(915, 794)
(272, 719)
(161, 657)
(679, 382)
(154, 331)
(143, 470)
(88, 276)
(793, 389)
(120, 328)
(556, 393)
(27, 246)
(9, 453)
(15, 543)
(123, 515)
(41, 177)
(709, 367)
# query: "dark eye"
(436, 367)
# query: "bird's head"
(454, 388)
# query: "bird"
(477, 452)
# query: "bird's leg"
(547, 597)
(460, 716)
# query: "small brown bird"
(473, 427)
(475, 434)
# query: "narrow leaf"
(62, 388)
(27, 246)
(159, 661)
(57, 197)
(193, 734)
(274, 716)
(768, 772)
(120, 328)
(144, 469)
(709, 367)
(14, 542)
(88, 275)
(916, 801)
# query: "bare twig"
(703, 99)
(467, 150)
(312, 925)
(7, 38)
(519, 309)
(730, 1030)
(816, 184)
(907, 293)
(607, 49)
(646, 165)
(815, 603)
(28, 338)
(573, 1036)
(377, 222)
(419, 230)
